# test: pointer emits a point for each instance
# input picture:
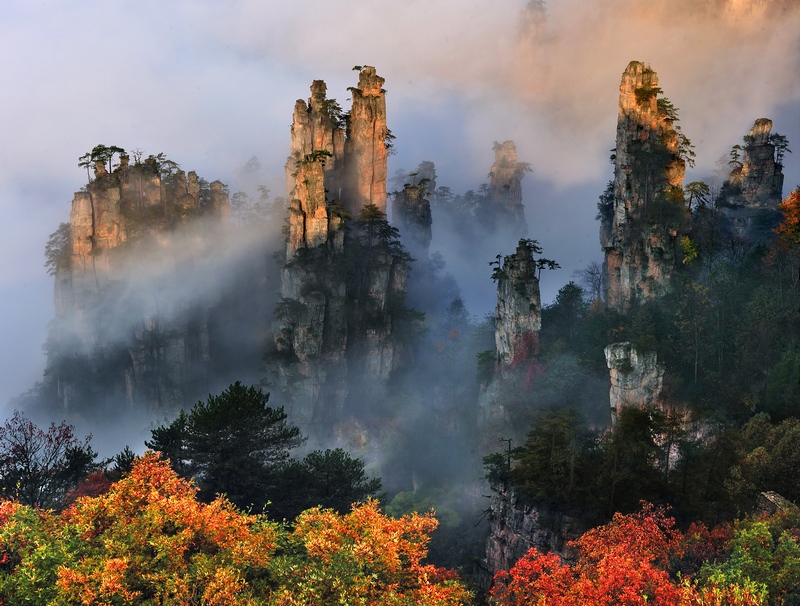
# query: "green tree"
(331, 479)
(697, 194)
(552, 465)
(100, 153)
(57, 249)
(232, 444)
(563, 318)
(781, 143)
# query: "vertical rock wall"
(640, 236)
(505, 188)
(518, 316)
(334, 328)
(365, 146)
(115, 338)
(750, 197)
(636, 378)
(516, 527)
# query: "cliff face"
(750, 196)
(516, 527)
(518, 316)
(636, 378)
(317, 127)
(411, 212)
(365, 146)
(505, 188)
(344, 281)
(639, 233)
(517, 321)
(117, 335)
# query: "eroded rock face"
(515, 527)
(317, 129)
(365, 146)
(118, 336)
(411, 211)
(750, 197)
(636, 378)
(518, 315)
(640, 232)
(505, 187)
(334, 325)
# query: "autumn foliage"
(635, 559)
(148, 540)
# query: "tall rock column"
(518, 317)
(411, 211)
(120, 332)
(365, 148)
(637, 378)
(750, 197)
(317, 131)
(505, 187)
(640, 231)
(342, 290)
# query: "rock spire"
(505, 187)
(750, 196)
(365, 147)
(518, 316)
(641, 226)
(340, 287)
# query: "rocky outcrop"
(317, 131)
(121, 333)
(426, 173)
(344, 281)
(411, 212)
(750, 196)
(518, 315)
(640, 231)
(365, 147)
(515, 527)
(505, 189)
(637, 378)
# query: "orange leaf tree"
(148, 540)
(789, 229)
(363, 557)
(621, 563)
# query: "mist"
(213, 85)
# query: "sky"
(212, 84)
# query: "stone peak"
(761, 130)
(505, 151)
(369, 82)
(638, 78)
(319, 89)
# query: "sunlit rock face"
(334, 327)
(365, 147)
(121, 333)
(637, 378)
(750, 196)
(505, 188)
(639, 233)
(518, 316)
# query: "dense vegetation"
(157, 530)
(147, 540)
